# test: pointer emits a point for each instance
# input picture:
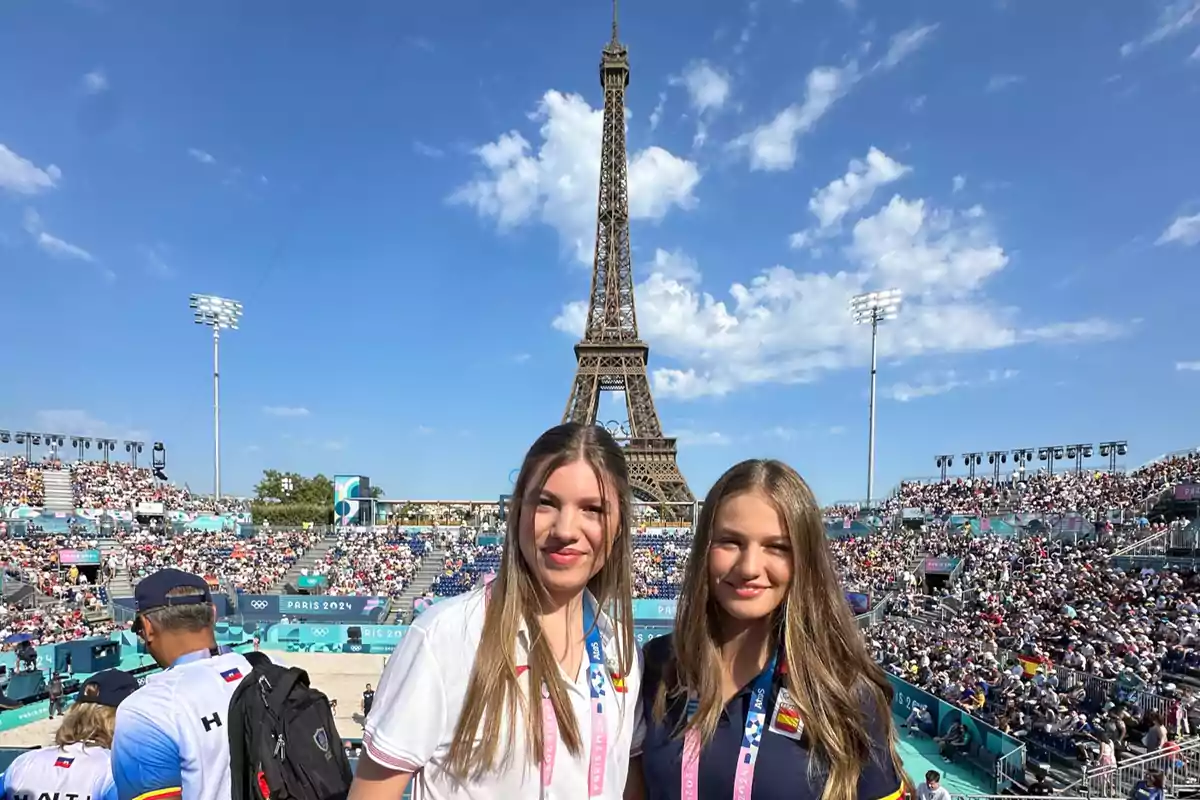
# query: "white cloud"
(202, 156)
(95, 82)
(708, 88)
(76, 422)
(850, 193)
(772, 146)
(960, 183)
(52, 245)
(156, 261)
(286, 411)
(1184, 230)
(1187, 366)
(998, 83)
(22, 176)
(708, 91)
(558, 184)
(63, 249)
(657, 113)
(905, 43)
(785, 325)
(424, 430)
(837, 430)
(693, 438)
(1174, 18)
(924, 387)
(1195, 56)
(933, 385)
(427, 150)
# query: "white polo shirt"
(75, 771)
(172, 735)
(420, 697)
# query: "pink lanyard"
(598, 748)
(743, 780)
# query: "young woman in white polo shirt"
(526, 688)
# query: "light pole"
(972, 461)
(1111, 450)
(996, 458)
(1078, 452)
(1050, 455)
(871, 309)
(133, 448)
(216, 313)
(944, 463)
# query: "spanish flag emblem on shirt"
(787, 719)
(618, 682)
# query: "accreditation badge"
(785, 719)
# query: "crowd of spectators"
(1090, 493)
(20, 482)
(377, 563)
(114, 485)
(251, 566)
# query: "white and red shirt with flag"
(77, 769)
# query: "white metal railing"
(1179, 764)
(1144, 542)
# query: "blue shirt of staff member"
(765, 664)
(79, 765)
(525, 688)
(171, 739)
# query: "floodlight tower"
(872, 308)
(217, 313)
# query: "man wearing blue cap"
(79, 765)
(171, 739)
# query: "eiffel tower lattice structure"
(611, 357)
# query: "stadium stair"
(432, 566)
(57, 492)
(313, 556)
(122, 584)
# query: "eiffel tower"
(611, 357)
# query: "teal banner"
(310, 638)
(1006, 750)
(311, 582)
(650, 609)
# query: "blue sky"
(403, 197)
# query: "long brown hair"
(842, 694)
(494, 693)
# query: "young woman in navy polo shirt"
(765, 690)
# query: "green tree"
(376, 492)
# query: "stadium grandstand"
(1055, 612)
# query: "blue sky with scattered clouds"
(403, 197)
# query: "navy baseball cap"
(107, 688)
(151, 591)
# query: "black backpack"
(283, 742)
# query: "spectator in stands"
(79, 765)
(932, 788)
(560, 601)
(764, 635)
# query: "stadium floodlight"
(972, 460)
(1111, 450)
(133, 448)
(29, 440)
(1077, 453)
(106, 446)
(82, 443)
(217, 313)
(1050, 454)
(872, 308)
(944, 463)
(997, 458)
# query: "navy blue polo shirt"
(782, 768)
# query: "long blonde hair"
(841, 693)
(89, 724)
(494, 692)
